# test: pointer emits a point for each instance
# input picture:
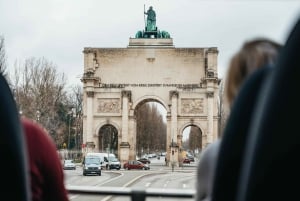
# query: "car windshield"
(68, 161)
(92, 160)
(113, 159)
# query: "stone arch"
(187, 124)
(112, 141)
(181, 129)
(149, 98)
(102, 123)
(161, 145)
(149, 69)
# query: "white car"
(69, 165)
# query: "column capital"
(173, 94)
(90, 94)
(210, 94)
(127, 93)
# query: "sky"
(59, 30)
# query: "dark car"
(186, 160)
(133, 164)
(91, 165)
(144, 160)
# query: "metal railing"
(136, 194)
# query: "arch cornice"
(105, 122)
(150, 98)
(190, 123)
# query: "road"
(159, 176)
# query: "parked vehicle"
(144, 160)
(91, 165)
(191, 158)
(186, 160)
(106, 159)
(69, 165)
(133, 164)
(114, 163)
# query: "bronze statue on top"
(151, 19)
(151, 31)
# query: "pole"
(69, 131)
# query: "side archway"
(191, 140)
(108, 139)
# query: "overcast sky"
(58, 30)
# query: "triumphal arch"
(117, 81)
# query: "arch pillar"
(174, 148)
(210, 122)
(90, 144)
(124, 145)
(132, 134)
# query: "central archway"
(151, 128)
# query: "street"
(159, 176)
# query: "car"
(144, 160)
(91, 165)
(191, 158)
(114, 163)
(186, 160)
(69, 165)
(134, 164)
(103, 157)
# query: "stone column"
(174, 97)
(210, 117)
(89, 121)
(125, 146)
(174, 146)
(132, 134)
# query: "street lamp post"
(69, 130)
(71, 113)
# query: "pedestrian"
(254, 55)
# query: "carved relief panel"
(112, 105)
(192, 106)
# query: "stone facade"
(118, 80)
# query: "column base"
(124, 145)
(124, 152)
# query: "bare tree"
(3, 64)
(151, 129)
(75, 100)
(40, 94)
(195, 139)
